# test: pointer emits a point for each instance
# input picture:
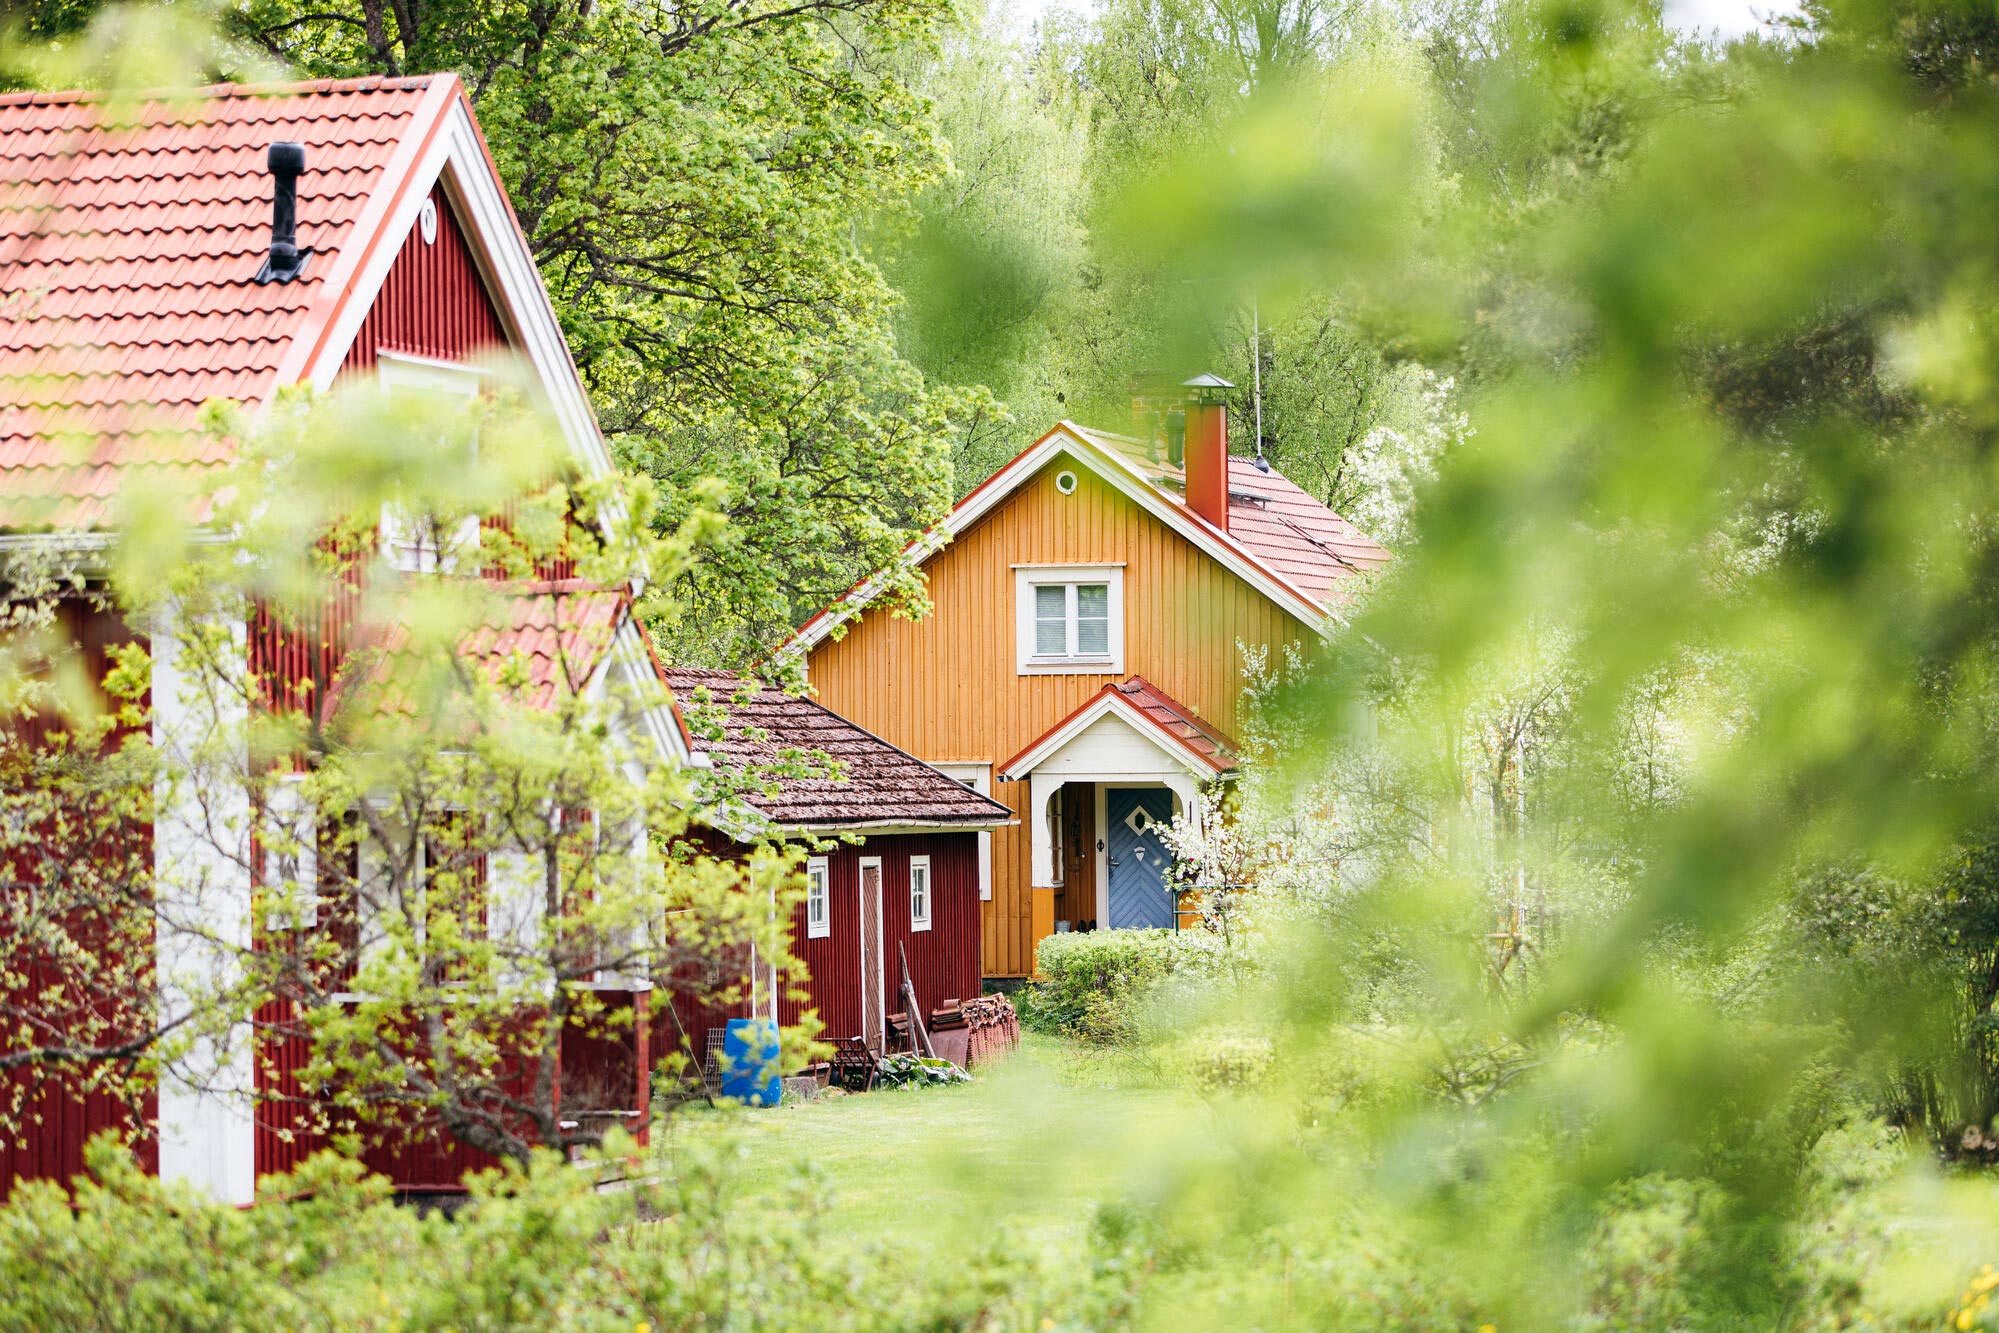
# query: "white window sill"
(1070, 666)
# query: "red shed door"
(873, 988)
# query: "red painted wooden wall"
(943, 961)
(433, 303)
(61, 1116)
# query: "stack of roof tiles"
(747, 726)
(130, 241)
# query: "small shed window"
(919, 893)
(818, 899)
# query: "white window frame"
(1028, 578)
(978, 777)
(285, 810)
(399, 372)
(819, 892)
(919, 869)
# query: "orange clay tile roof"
(745, 724)
(128, 258)
(1283, 526)
(556, 632)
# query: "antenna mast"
(1256, 369)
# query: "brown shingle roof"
(744, 724)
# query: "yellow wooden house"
(1082, 662)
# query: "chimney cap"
(285, 158)
(1205, 386)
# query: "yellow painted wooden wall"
(944, 688)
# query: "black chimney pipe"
(287, 261)
(1176, 437)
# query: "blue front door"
(1138, 859)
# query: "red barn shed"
(904, 864)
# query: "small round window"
(1065, 482)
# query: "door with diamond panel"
(1138, 858)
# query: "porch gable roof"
(1191, 742)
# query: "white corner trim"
(979, 777)
(201, 860)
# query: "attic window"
(404, 542)
(1069, 619)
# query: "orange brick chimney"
(1208, 448)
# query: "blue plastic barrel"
(750, 1062)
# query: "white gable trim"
(1110, 703)
(1068, 439)
(456, 155)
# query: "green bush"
(1087, 978)
(328, 1249)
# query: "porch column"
(1041, 791)
(1188, 792)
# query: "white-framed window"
(919, 893)
(404, 542)
(1069, 619)
(979, 777)
(818, 899)
(289, 843)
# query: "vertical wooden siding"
(945, 688)
(433, 303)
(943, 961)
(61, 1113)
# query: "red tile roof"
(744, 724)
(128, 258)
(1178, 721)
(1283, 526)
(548, 642)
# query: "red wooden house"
(145, 270)
(898, 858)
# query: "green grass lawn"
(1028, 1144)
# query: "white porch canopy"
(1110, 740)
